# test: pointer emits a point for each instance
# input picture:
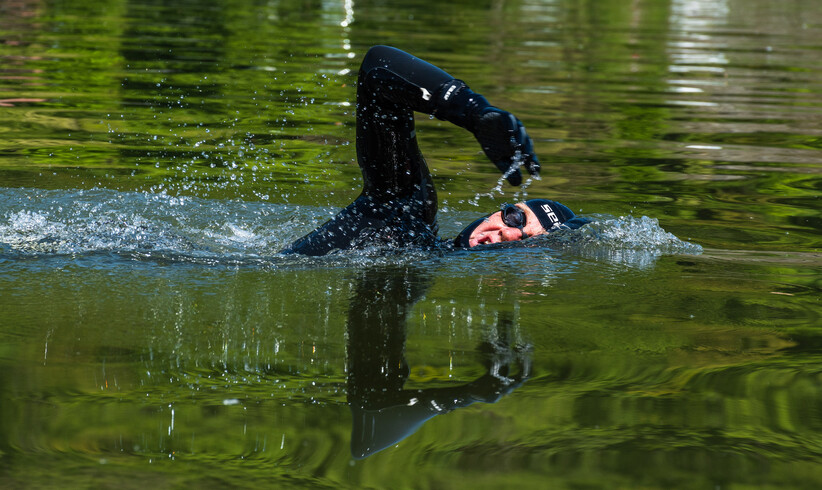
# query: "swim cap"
(462, 239)
(551, 215)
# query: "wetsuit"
(398, 204)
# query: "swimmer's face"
(495, 230)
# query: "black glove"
(501, 136)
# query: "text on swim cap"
(551, 215)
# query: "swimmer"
(398, 203)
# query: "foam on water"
(77, 222)
(37, 222)
(626, 239)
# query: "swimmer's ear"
(505, 142)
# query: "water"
(154, 158)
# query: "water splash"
(628, 240)
(158, 227)
(99, 220)
(516, 162)
(154, 226)
(521, 193)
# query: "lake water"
(155, 156)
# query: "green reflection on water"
(228, 367)
(684, 371)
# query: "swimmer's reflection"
(383, 412)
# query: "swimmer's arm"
(410, 81)
(500, 134)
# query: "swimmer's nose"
(510, 234)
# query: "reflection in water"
(13, 69)
(383, 412)
(160, 334)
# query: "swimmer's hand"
(505, 142)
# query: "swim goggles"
(514, 217)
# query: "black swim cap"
(551, 215)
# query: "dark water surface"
(155, 156)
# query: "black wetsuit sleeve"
(398, 196)
(392, 85)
